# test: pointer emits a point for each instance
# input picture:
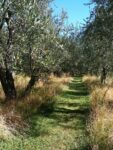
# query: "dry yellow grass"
(100, 125)
(43, 93)
(2, 96)
(101, 129)
(64, 79)
(90, 78)
(5, 129)
(91, 81)
(13, 119)
(21, 82)
(109, 80)
(101, 96)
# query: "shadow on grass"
(81, 111)
(75, 93)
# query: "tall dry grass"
(43, 95)
(100, 129)
(100, 125)
(64, 79)
(5, 129)
(102, 96)
(91, 81)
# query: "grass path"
(64, 128)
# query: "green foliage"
(36, 36)
(34, 42)
(97, 38)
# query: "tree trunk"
(29, 86)
(6, 76)
(7, 83)
(103, 75)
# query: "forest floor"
(62, 129)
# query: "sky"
(76, 9)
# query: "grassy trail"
(64, 128)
